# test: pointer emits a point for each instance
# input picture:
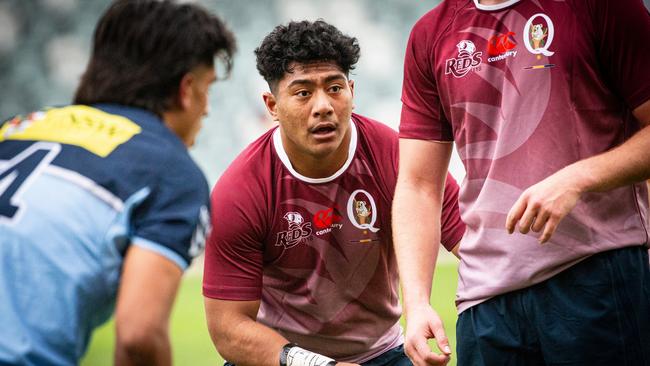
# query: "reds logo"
(467, 60)
(298, 231)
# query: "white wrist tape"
(301, 357)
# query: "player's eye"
(335, 88)
(303, 93)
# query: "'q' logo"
(538, 38)
(362, 212)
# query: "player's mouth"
(323, 131)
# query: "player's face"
(313, 105)
(201, 78)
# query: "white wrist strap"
(301, 357)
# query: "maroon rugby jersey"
(525, 88)
(317, 252)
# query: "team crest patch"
(468, 59)
(538, 36)
(362, 210)
(298, 231)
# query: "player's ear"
(185, 91)
(271, 104)
(351, 84)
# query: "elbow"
(135, 342)
(220, 336)
(226, 335)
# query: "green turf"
(191, 343)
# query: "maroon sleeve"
(452, 227)
(234, 251)
(422, 114)
(622, 40)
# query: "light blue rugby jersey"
(78, 185)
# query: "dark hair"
(304, 42)
(143, 48)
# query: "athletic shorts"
(594, 313)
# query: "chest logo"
(538, 36)
(468, 59)
(362, 210)
(501, 46)
(298, 231)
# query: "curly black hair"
(304, 42)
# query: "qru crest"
(362, 210)
(537, 37)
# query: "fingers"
(528, 217)
(540, 220)
(423, 356)
(417, 349)
(531, 216)
(551, 225)
(441, 338)
(515, 214)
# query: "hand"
(544, 205)
(422, 324)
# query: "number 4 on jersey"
(16, 175)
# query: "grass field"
(191, 343)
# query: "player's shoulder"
(373, 129)
(163, 150)
(251, 165)
(375, 138)
(157, 150)
(433, 24)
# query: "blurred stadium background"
(44, 46)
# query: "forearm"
(243, 341)
(416, 230)
(626, 164)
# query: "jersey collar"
(282, 154)
(494, 7)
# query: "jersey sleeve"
(622, 29)
(234, 251)
(452, 227)
(422, 114)
(173, 219)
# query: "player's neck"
(317, 167)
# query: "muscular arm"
(239, 338)
(542, 206)
(416, 226)
(147, 289)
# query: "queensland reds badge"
(362, 210)
(298, 231)
(468, 59)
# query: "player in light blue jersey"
(101, 206)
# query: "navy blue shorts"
(393, 357)
(594, 313)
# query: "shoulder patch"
(89, 128)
